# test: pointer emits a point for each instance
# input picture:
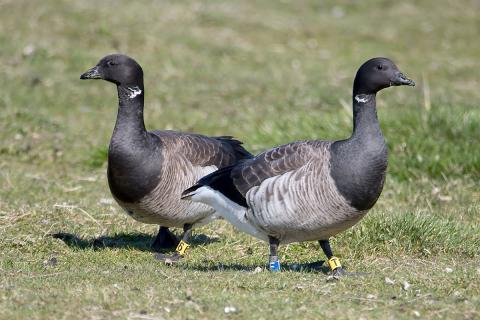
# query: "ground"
(267, 72)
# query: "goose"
(148, 170)
(309, 190)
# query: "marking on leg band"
(334, 263)
(275, 265)
(182, 247)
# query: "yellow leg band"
(334, 263)
(182, 247)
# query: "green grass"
(267, 72)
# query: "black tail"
(220, 181)
(236, 145)
(186, 194)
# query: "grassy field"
(267, 72)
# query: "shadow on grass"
(138, 241)
(317, 266)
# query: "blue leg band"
(275, 266)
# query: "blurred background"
(266, 72)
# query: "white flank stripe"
(231, 211)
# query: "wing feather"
(202, 150)
(235, 181)
(274, 162)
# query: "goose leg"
(165, 240)
(273, 262)
(333, 261)
(181, 249)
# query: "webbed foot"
(339, 272)
(165, 240)
(169, 259)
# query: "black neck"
(134, 158)
(358, 164)
(365, 122)
(130, 124)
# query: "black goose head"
(117, 68)
(377, 74)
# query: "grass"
(266, 72)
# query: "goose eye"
(379, 67)
(111, 63)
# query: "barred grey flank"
(186, 159)
(310, 205)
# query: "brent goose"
(148, 170)
(309, 190)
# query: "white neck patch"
(135, 91)
(361, 98)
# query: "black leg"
(325, 245)
(165, 240)
(274, 264)
(183, 245)
(181, 249)
(333, 261)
